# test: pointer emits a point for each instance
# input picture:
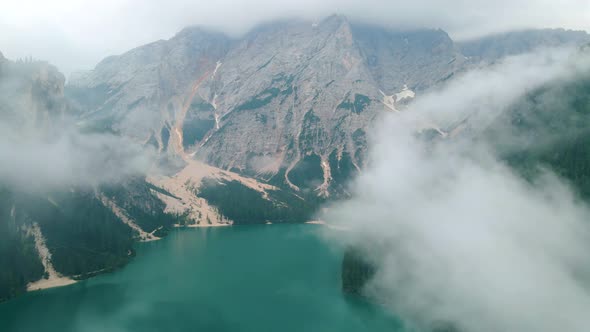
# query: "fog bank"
(460, 237)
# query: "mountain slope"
(495, 47)
(290, 102)
(52, 232)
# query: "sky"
(75, 35)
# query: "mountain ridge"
(288, 95)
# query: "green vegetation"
(266, 63)
(200, 105)
(265, 97)
(308, 173)
(549, 128)
(343, 171)
(82, 235)
(359, 104)
(194, 130)
(262, 99)
(141, 205)
(18, 256)
(359, 138)
(161, 190)
(312, 134)
(152, 141)
(244, 205)
(165, 134)
(356, 271)
(199, 120)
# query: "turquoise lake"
(248, 278)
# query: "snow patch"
(404, 94)
(391, 101)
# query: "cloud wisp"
(76, 35)
(31, 162)
(460, 237)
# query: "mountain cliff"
(288, 103)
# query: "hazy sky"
(76, 34)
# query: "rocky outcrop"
(142, 92)
(31, 95)
(290, 102)
(276, 104)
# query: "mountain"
(53, 233)
(494, 47)
(549, 129)
(73, 199)
(290, 102)
(32, 94)
(200, 130)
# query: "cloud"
(72, 159)
(42, 148)
(460, 237)
(77, 34)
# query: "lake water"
(248, 278)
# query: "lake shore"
(50, 283)
(61, 281)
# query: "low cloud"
(460, 237)
(30, 162)
(76, 35)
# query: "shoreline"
(50, 283)
(56, 282)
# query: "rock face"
(141, 92)
(289, 102)
(31, 95)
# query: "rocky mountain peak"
(31, 95)
(289, 102)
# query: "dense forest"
(357, 271)
(244, 205)
(549, 128)
(18, 257)
(84, 237)
(136, 198)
